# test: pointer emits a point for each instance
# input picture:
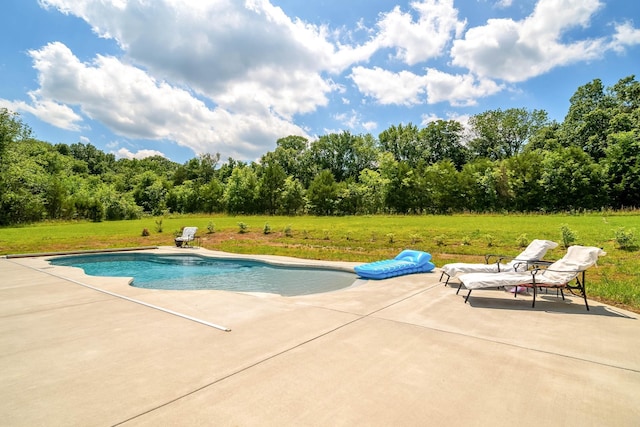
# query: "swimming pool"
(190, 272)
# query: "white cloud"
(407, 88)
(221, 49)
(124, 153)
(459, 90)
(625, 36)
(503, 4)
(386, 87)
(518, 50)
(419, 41)
(135, 105)
(47, 110)
(369, 126)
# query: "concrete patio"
(401, 351)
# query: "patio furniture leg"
(467, 298)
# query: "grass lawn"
(464, 238)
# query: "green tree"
(405, 143)
(240, 193)
(479, 182)
(293, 197)
(443, 141)
(12, 130)
(501, 134)
(343, 154)
(571, 179)
(323, 193)
(150, 193)
(622, 162)
(270, 187)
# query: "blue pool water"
(181, 272)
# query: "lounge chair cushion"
(534, 252)
(577, 259)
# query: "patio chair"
(556, 275)
(188, 235)
(534, 252)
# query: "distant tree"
(241, 191)
(501, 134)
(293, 197)
(443, 141)
(289, 154)
(12, 130)
(270, 188)
(97, 161)
(150, 193)
(323, 193)
(622, 162)
(404, 142)
(571, 179)
(479, 182)
(344, 154)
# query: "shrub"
(522, 241)
(625, 239)
(439, 240)
(266, 229)
(145, 232)
(391, 237)
(466, 241)
(489, 239)
(243, 227)
(211, 227)
(569, 236)
(415, 238)
(158, 225)
(287, 231)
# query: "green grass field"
(464, 238)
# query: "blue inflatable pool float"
(407, 262)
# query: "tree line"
(513, 160)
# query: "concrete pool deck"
(401, 351)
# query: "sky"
(181, 78)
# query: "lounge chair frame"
(498, 261)
(579, 286)
(188, 235)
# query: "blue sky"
(184, 77)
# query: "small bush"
(159, 225)
(326, 234)
(266, 229)
(625, 239)
(243, 227)
(522, 241)
(466, 241)
(415, 238)
(489, 239)
(287, 231)
(211, 227)
(391, 237)
(569, 236)
(145, 232)
(439, 240)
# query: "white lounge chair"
(556, 275)
(188, 235)
(534, 252)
